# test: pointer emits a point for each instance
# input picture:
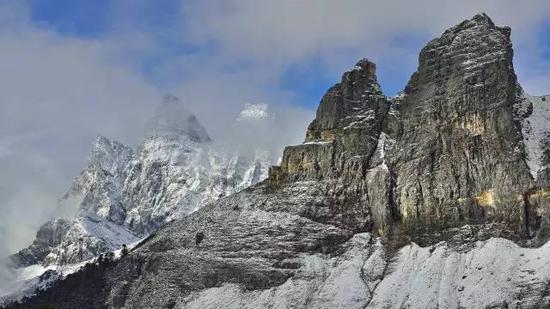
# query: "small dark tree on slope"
(198, 238)
(124, 252)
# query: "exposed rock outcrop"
(459, 156)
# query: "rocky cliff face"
(339, 151)
(450, 150)
(459, 155)
(454, 163)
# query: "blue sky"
(73, 18)
(544, 37)
(306, 78)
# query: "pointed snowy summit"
(255, 112)
(172, 120)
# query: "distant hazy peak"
(254, 112)
(172, 120)
(102, 142)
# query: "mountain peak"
(365, 68)
(483, 18)
(172, 120)
(170, 98)
(470, 48)
(479, 24)
(100, 142)
(255, 112)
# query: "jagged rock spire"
(343, 136)
(458, 156)
(351, 102)
(448, 151)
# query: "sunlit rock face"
(460, 155)
(419, 201)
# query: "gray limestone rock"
(459, 157)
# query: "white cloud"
(283, 32)
(294, 29)
(56, 95)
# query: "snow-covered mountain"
(178, 169)
(123, 194)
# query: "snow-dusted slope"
(97, 191)
(172, 177)
(35, 277)
(97, 196)
(31, 279)
(492, 273)
(487, 274)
